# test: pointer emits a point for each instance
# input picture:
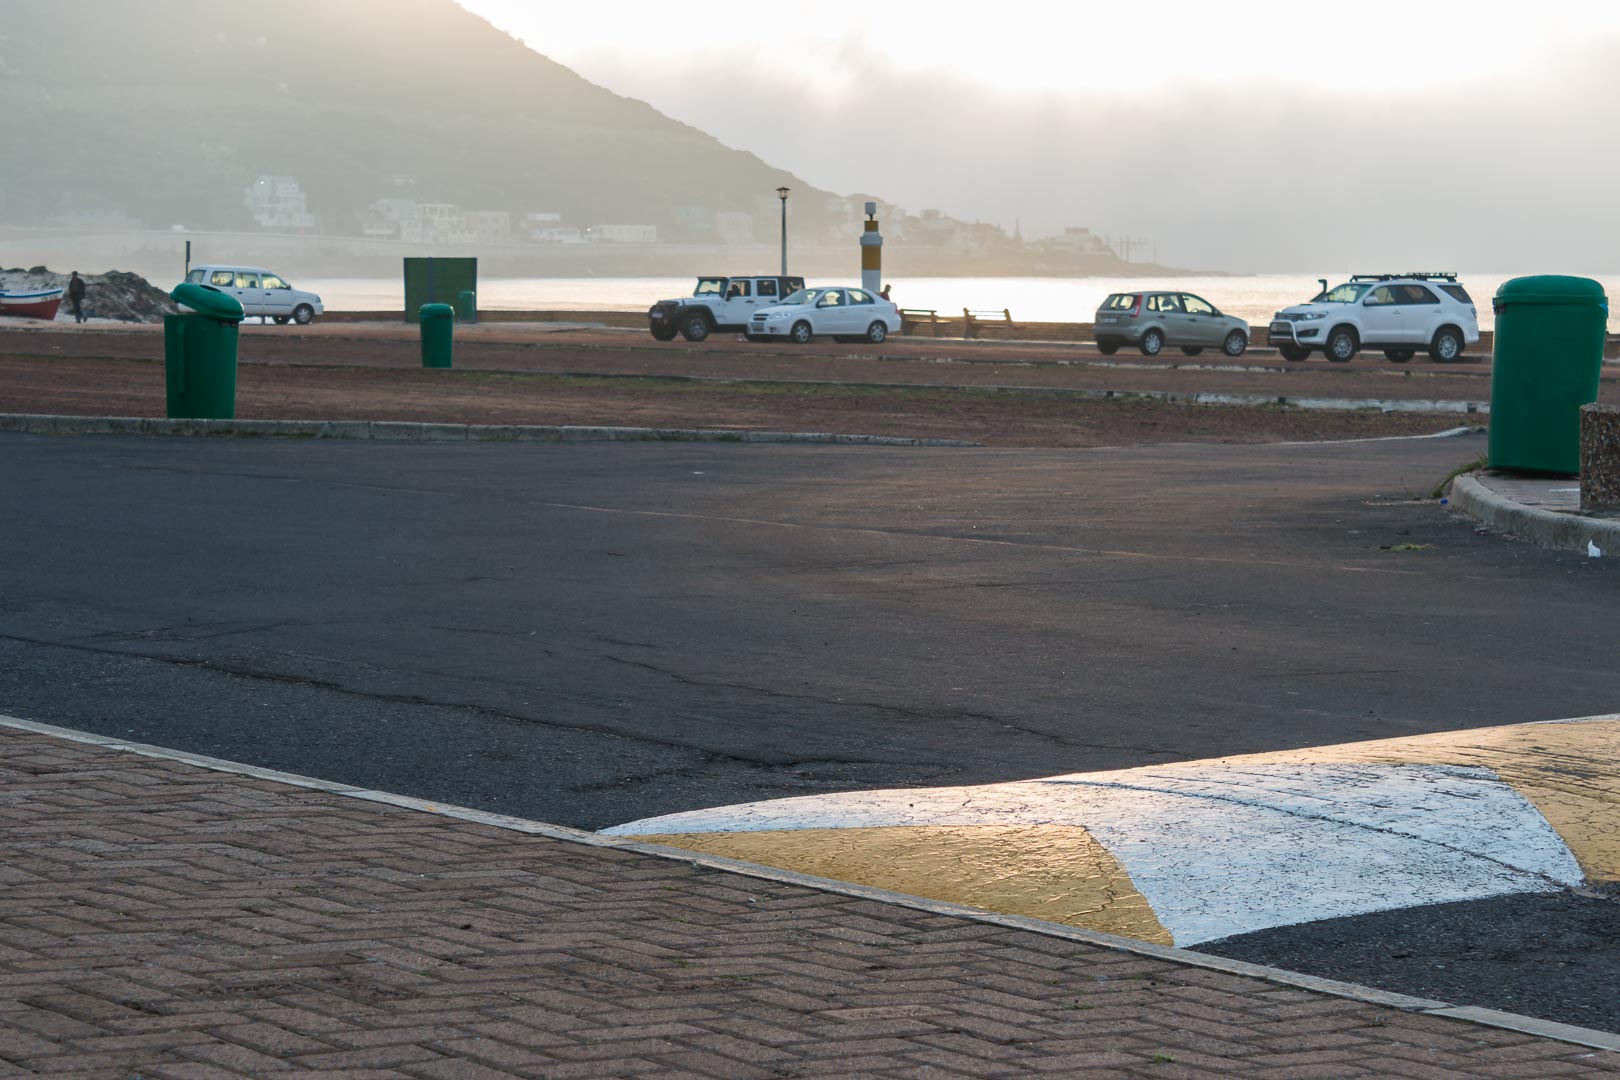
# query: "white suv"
(1398, 313)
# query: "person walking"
(75, 292)
(885, 292)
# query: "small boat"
(31, 305)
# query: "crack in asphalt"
(899, 710)
(489, 711)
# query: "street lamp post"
(782, 193)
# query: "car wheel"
(1108, 348)
(695, 327)
(663, 333)
(303, 314)
(1447, 345)
(1192, 350)
(877, 333)
(1293, 352)
(281, 320)
(1236, 343)
(1342, 345)
(1399, 356)
(1152, 343)
(801, 333)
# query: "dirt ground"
(999, 394)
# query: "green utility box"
(1545, 364)
(466, 306)
(199, 354)
(437, 281)
(438, 333)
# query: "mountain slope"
(170, 111)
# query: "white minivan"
(261, 293)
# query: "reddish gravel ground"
(914, 387)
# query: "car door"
(863, 310)
(739, 304)
(1165, 308)
(765, 294)
(1381, 322)
(1204, 324)
(1421, 314)
(832, 313)
(250, 292)
(275, 296)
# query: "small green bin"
(199, 354)
(1545, 363)
(438, 334)
(466, 306)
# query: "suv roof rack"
(1425, 276)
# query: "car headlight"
(1313, 315)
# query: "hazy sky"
(1242, 135)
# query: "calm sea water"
(1036, 299)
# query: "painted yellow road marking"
(1053, 872)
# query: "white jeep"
(718, 303)
(1398, 313)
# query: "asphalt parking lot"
(592, 633)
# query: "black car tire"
(303, 315)
(1293, 352)
(1342, 345)
(877, 333)
(1108, 348)
(1446, 346)
(801, 333)
(1236, 343)
(695, 327)
(1152, 343)
(663, 333)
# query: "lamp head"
(782, 193)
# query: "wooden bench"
(911, 318)
(973, 321)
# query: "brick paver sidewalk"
(162, 920)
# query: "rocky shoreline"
(115, 295)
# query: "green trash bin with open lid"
(1545, 362)
(199, 353)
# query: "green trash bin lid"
(209, 301)
(436, 311)
(1550, 289)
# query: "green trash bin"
(199, 354)
(438, 332)
(466, 306)
(1545, 362)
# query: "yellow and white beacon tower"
(871, 253)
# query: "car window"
(1197, 305)
(1416, 294)
(1164, 302)
(1381, 296)
(1120, 302)
(831, 298)
(223, 278)
(767, 287)
(709, 286)
(196, 276)
(856, 296)
(800, 298)
(273, 282)
(737, 288)
(245, 280)
(1457, 292)
(1341, 294)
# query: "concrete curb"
(1547, 528)
(1527, 1025)
(401, 431)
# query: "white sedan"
(848, 314)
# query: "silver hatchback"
(1152, 320)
